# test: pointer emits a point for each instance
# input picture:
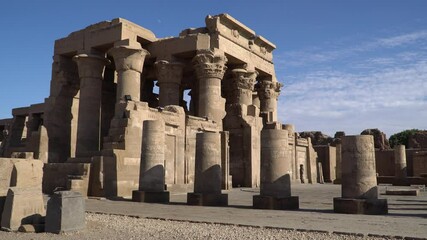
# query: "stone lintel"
(235, 31)
(360, 206)
(150, 197)
(205, 199)
(178, 46)
(22, 111)
(277, 203)
(102, 34)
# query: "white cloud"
(391, 99)
(327, 53)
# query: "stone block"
(360, 206)
(276, 203)
(65, 212)
(206, 199)
(22, 206)
(150, 197)
(403, 192)
(27, 174)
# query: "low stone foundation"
(277, 203)
(360, 206)
(150, 197)
(205, 199)
(403, 192)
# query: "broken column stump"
(275, 192)
(65, 212)
(152, 171)
(207, 182)
(359, 189)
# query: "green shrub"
(401, 138)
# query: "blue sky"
(345, 65)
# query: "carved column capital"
(169, 72)
(90, 65)
(267, 89)
(209, 64)
(242, 79)
(128, 58)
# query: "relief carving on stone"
(267, 89)
(169, 72)
(209, 64)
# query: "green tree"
(401, 138)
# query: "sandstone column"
(91, 68)
(207, 178)
(359, 182)
(268, 93)
(400, 162)
(241, 86)
(152, 171)
(210, 68)
(169, 76)
(275, 192)
(129, 61)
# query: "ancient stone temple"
(111, 77)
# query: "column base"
(277, 203)
(360, 206)
(150, 197)
(206, 199)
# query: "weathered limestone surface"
(22, 206)
(275, 191)
(65, 212)
(400, 161)
(210, 68)
(207, 182)
(359, 182)
(129, 60)
(90, 69)
(152, 171)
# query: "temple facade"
(110, 77)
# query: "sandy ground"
(103, 226)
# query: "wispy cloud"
(330, 52)
(383, 86)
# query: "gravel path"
(101, 226)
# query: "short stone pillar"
(65, 212)
(400, 162)
(169, 76)
(276, 167)
(240, 86)
(91, 69)
(268, 93)
(359, 189)
(152, 170)
(129, 61)
(210, 68)
(208, 175)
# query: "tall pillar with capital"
(169, 75)
(241, 86)
(268, 93)
(90, 68)
(210, 68)
(129, 61)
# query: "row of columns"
(209, 66)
